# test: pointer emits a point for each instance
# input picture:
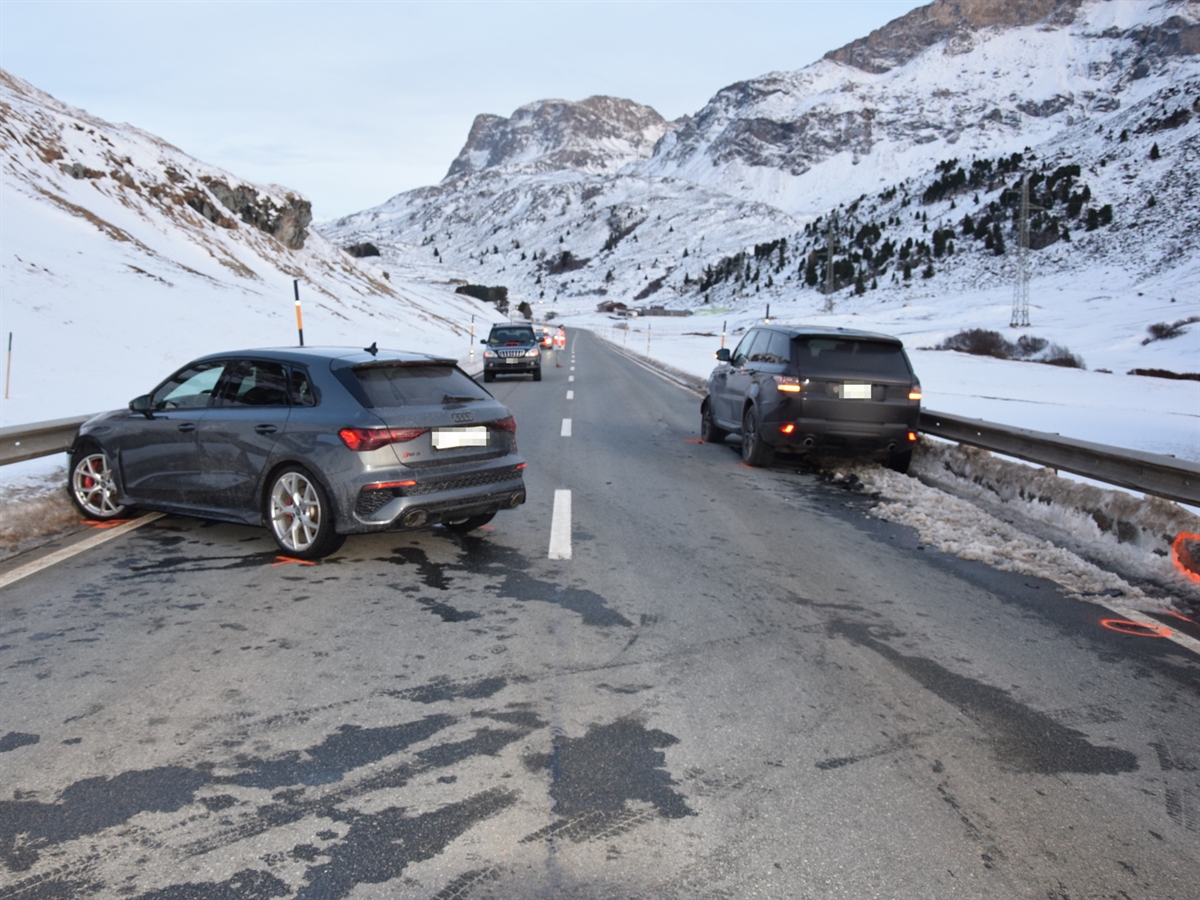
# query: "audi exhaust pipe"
(516, 499)
(415, 518)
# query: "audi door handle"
(265, 429)
(185, 427)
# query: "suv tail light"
(914, 392)
(789, 384)
(364, 439)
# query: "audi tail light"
(363, 439)
(509, 424)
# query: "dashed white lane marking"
(572, 368)
(566, 429)
(570, 378)
(67, 552)
(560, 525)
(570, 395)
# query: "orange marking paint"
(101, 526)
(1185, 553)
(1126, 627)
(693, 440)
(284, 560)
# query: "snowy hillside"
(123, 257)
(918, 136)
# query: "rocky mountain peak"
(904, 38)
(599, 134)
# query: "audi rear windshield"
(850, 357)
(383, 386)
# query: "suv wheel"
(710, 433)
(899, 460)
(755, 451)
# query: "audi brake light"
(509, 424)
(361, 440)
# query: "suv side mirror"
(723, 355)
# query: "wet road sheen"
(735, 684)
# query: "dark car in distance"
(313, 442)
(512, 350)
(822, 390)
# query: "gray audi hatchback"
(822, 390)
(313, 442)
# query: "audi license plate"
(856, 392)
(467, 436)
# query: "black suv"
(826, 390)
(512, 350)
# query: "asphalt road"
(730, 683)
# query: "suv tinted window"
(742, 352)
(771, 347)
(385, 386)
(845, 356)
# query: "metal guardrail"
(1150, 473)
(21, 442)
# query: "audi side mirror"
(723, 355)
(141, 404)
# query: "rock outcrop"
(599, 134)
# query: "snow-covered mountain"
(599, 134)
(124, 257)
(918, 135)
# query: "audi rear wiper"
(454, 398)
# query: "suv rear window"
(422, 385)
(846, 356)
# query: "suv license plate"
(449, 438)
(513, 362)
(856, 392)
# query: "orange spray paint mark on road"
(101, 526)
(1185, 553)
(693, 440)
(1139, 628)
(284, 560)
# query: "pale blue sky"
(352, 102)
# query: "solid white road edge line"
(566, 429)
(53, 559)
(560, 526)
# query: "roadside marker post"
(8, 367)
(649, 328)
(299, 319)
(472, 353)
(723, 324)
